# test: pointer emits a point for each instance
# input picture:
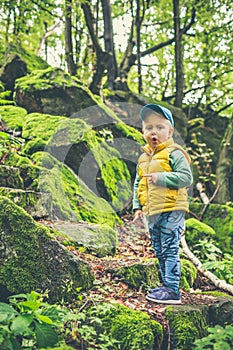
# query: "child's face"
(156, 129)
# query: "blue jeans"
(165, 231)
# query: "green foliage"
(219, 338)
(28, 322)
(214, 260)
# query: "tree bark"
(178, 55)
(109, 43)
(138, 41)
(71, 66)
(224, 170)
(101, 56)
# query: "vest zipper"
(148, 202)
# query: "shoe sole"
(172, 301)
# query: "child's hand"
(138, 214)
(152, 178)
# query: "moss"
(188, 274)
(130, 132)
(139, 275)
(134, 330)
(72, 200)
(33, 61)
(187, 323)
(220, 218)
(13, 116)
(2, 88)
(114, 172)
(100, 240)
(196, 231)
(29, 172)
(30, 258)
(45, 79)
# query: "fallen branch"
(215, 280)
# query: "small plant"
(219, 338)
(28, 323)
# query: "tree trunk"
(101, 56)
(109, 43)
(68, 38)
(138, 41)
(178, 55)
(224, 170)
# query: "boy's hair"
(146, 110)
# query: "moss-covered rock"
(134, 330)
(51, 91)
(139, 274)
(188, 274)
(73, 142)
(186, 324)
(32, 60)
(13, 68)
(146, 274)
(13, 117)
(10, 177)
(221, 312)
(100, 240)
(220, 218)
(197, 230)
(31, 201)
(31, 259)
(71, 198)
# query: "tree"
(68, 38)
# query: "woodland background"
(73, 77)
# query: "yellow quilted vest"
(155, 199)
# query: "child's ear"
(142, 131)
(171, 132)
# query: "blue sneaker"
(164, 295)
(152, 290)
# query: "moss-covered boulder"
(72, 200)
(13, 68)
(51, 91)
(197, 230)
(220, 218)
(10, 177)
(100, 240)
(186, 324)
(133, 330)
(35, 203)
(221, 312)
(12, 117)
(31, 259)
(74, 143)
(146, 274)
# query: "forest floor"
(134, 246)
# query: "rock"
(72, 200)
(220, 218)
(35, 203)
(190, 322)
(196, 231)
(100, 240)
(130, 328)
(73, 142)
(146, 274)
(221, 312)
(52, 91)
(10, 177)
(186, 324)
(13, 68)
(139, 274)
(31, 259)
(13, 117)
